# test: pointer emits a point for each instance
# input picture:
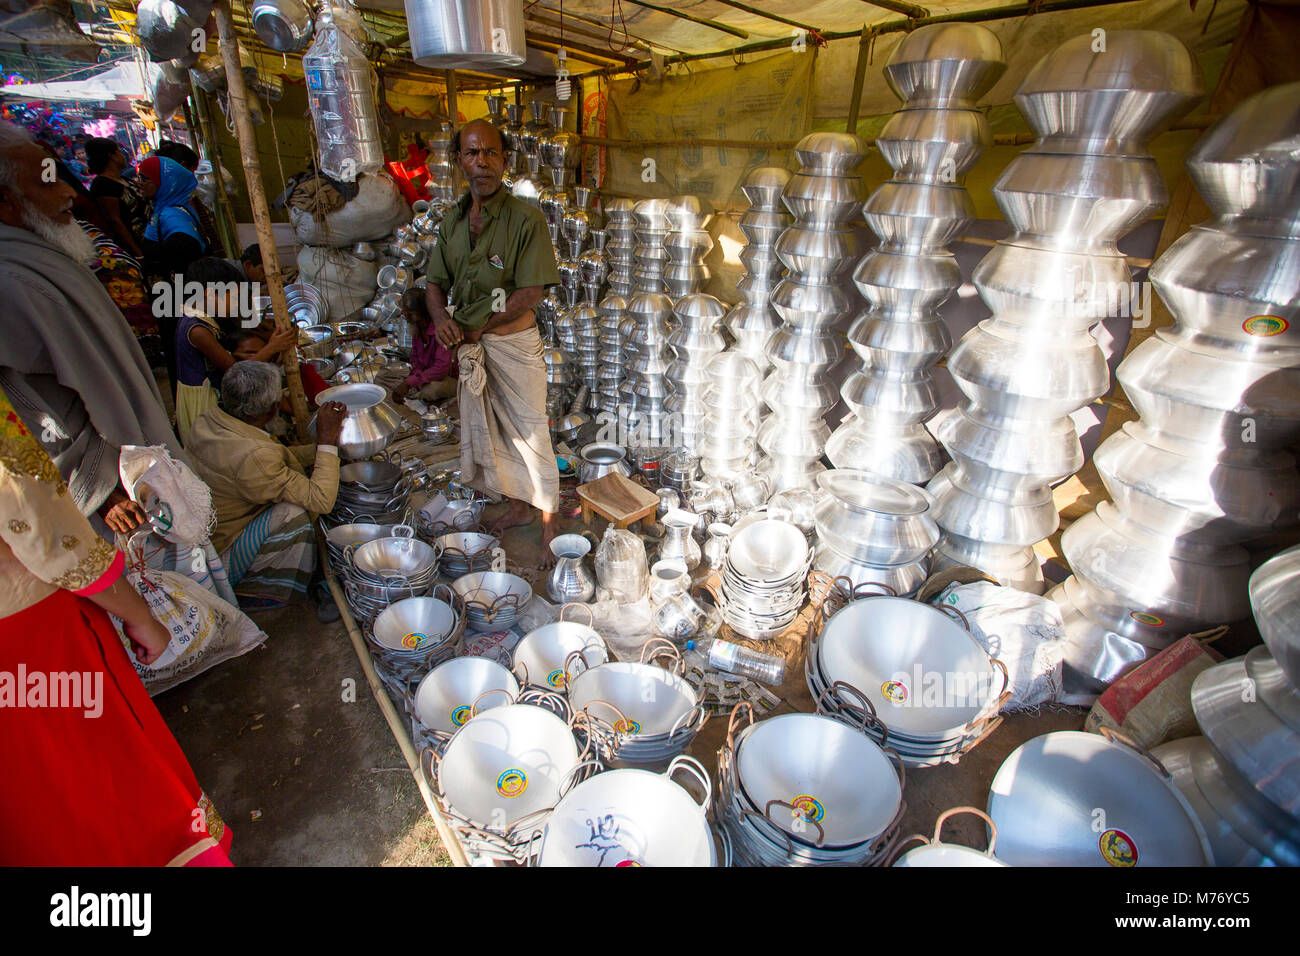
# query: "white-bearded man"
(68, 360)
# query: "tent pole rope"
(257, 200)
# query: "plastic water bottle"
(341, 87)
(734, 659)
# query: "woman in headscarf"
(173, 234)
(93, 777)
(172, 239)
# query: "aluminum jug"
(678, 540)
(570, 582)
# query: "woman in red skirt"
(91, 775)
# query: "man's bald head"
(482, 127)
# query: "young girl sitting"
(433, 367)
(200, 357)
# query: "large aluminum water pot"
(467, 34)
(370, 423)
(1046, 797)
(632, 818)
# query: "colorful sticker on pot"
(628, 863)
(414, 641)
(461, 714)
(512, 782)
(627, 726)
(810, 807)
(894, 691)
(557, 678)
(1150, 620)
(1118, 848)
(1265, 325)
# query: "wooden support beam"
(859, 75)
(257, 200)
(225, 216)
(535, 13)
(712, 24)
(453, 114)
(603, 57)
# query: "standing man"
(494, 255)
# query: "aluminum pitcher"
(570, 581)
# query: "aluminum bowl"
(507, 765)
(1045, 796)
(493, 599)
(410, 558)
(465, 551)
(768, 550)
(547, 655)
(600, 459)
(452, 693)
(639, 818)
(415, 625)
(635, 700)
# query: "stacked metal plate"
(620, 226)
(808, 790)
(650, 258)
(764, 578)
(647, 412)
(934, 690)
(874, 530)
(637, 714)
(1209, 465)
(752, 322)
(812, 303)
(732, 409)
(939, 71)
(686, 246)
(1087, 181)
(1076, 799)
(493, 599)
(695, 341)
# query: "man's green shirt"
(513, 252)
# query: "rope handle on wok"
(1119, 737)
(591, 615)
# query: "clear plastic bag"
(341, 96)
(621, 568)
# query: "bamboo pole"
(453, 113)
(712, 24)
(898, 6)
(257, 200)
(859, 76)
(395, 724)
(767, 15)
(225, 215)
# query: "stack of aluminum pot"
(650, 256)
(686, 246)
(445, 181)
(939, 71)
(697, 338)
(752, 322)
(647, 417)
(620, 227)
(1208, 464)
(732, 407)
(1087, 181)
(812, 303)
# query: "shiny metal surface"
(462, 34)
(1044, 795)
(1248, 735)
(1188, 482)
(542, 656)
(283, 25)
(874, 520)
(371, 421)
(646, 700)
(414, 625)
(1275, 601)
(1086, 181)
(446, 698)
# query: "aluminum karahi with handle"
(550, 655)
(1071, 798)
(934, 852)
(632, 817)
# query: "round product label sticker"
(1265, 325)
(810, 807)
(1150, 620)
(894, 691)
(512, 782)
(1118, 848)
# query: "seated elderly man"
(261, 491)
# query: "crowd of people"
(77, 387)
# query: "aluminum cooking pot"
(549, 655)
(1045, 797)
(454, 692)
(370, 423)
(937, 853)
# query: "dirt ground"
(295, 753)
